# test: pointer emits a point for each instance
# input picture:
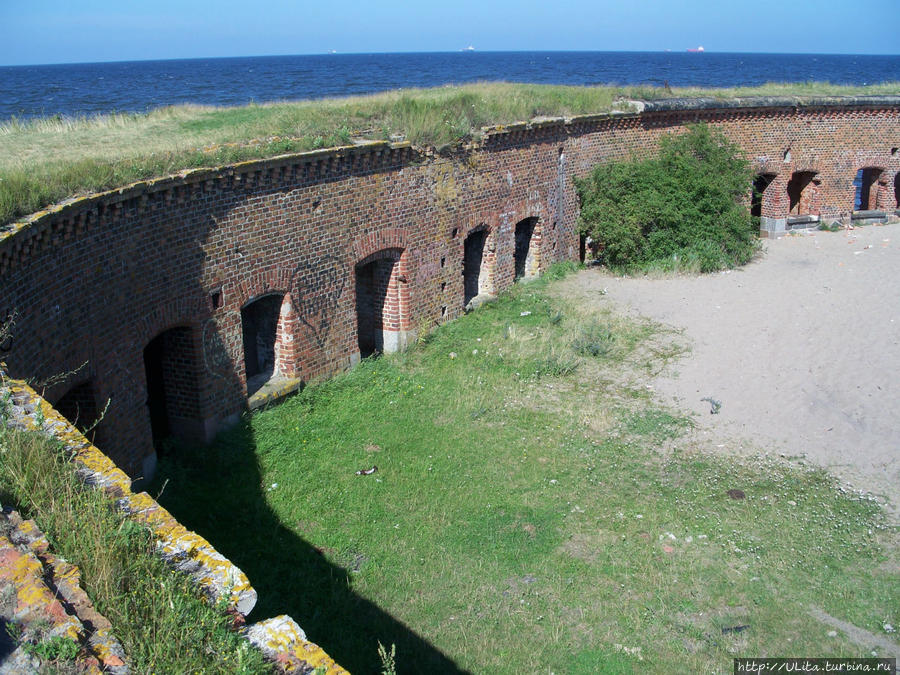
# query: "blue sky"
(72, 31)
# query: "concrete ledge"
(479, 300)
(868, 217)
(274, 390)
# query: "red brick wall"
(94, 281)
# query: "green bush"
(685, 209)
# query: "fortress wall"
(94, 281)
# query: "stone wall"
(92, 281)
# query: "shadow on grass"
(217, 491)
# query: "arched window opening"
(527, 248)
(173, 395)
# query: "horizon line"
(468, 52)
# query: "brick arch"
(258, 284)
(288, 339)
(188, 311)
(512, 215)
(374, 242)
(872, 190)
(527, 245)
(269, 321)
(764, 192)
(489, 220)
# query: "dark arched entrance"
(170, 368)
(865, 197)
(259, 326)
(473, 261)
(527, 248)
(79, 406)
(760, 185)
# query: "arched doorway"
(760, 184)
(381, 302)
(172, 377)
(260, 327)
(865, 185)
(801, 191)
(479, 257)
(527, 248)
(79, 406)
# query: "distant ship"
(470, 48)
(698, 49)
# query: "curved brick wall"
(93, 281)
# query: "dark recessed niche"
(216, 298)
(443, 262)
(893, 152)
(443, 311)
(455, 233)
(443, 286)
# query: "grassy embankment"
(162, 623)
(48, 160)
(535, 509)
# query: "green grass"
(50, 159)
(158, 616)
(526, 518)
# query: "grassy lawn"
(534, 509)
(47, 160)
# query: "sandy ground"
(802, 348)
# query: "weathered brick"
(94, 281)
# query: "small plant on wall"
(685, 209)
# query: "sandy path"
(802, 348)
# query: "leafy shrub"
(686, 206)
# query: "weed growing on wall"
(685, 209)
